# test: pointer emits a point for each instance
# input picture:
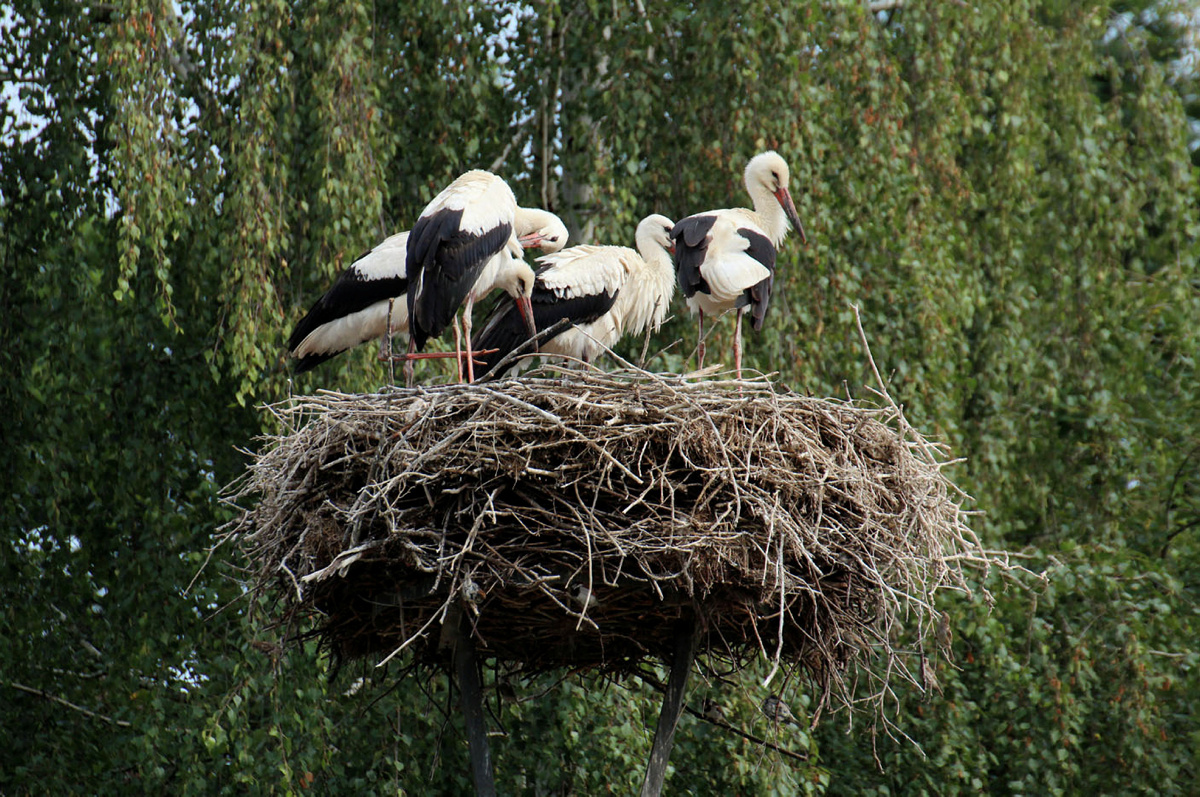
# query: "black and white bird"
(605, 291)
(726, 258)
(777, 711)
(467, 241)
(355, 309)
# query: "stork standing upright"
(725, 258)
(372, 291)
(605, 291)
(466, 242)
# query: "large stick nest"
(798, 528)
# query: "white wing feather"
(727, 268)
(585, 270)
(384, 261)
(485, 199)
(647, 297)
(354, 329)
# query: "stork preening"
(356, 308)
(467, 241)
(725, 258)
(605, 291)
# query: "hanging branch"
(42, 693)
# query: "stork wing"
(691, 237)
(457, 234)
(505, 330)
(738, 258)
(584, 271)
(376, 276)
(761, 250)
(648, 293)
(485, 199)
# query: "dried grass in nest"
(794, 527)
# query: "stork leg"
(467, 334)
(700, 345)
(737, 344)
(458, 347)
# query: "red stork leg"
(700, 345)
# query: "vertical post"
(686, 640)
(471, 701)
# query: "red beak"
(785, 199)
(534, 239)
(525, 308)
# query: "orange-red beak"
(525, 308)
(785, 200)
(534, 239)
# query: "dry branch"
(804, 530)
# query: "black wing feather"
(313, 360)
(759, 295)
(691, 247)
(445, 261)
(506, 331)
(350, 293)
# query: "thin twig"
(42, 693)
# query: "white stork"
(355, 310)
(605, 291)
(725, 259)
(466, 242)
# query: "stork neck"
(653, 252)
(491, 274)
(770, 212)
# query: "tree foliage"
(1004, 188)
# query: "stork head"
(768, 173)
(655, 285)
(655, 229)
(517, 281)
(541, 229)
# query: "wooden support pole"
(686, 640)
(471, 701)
